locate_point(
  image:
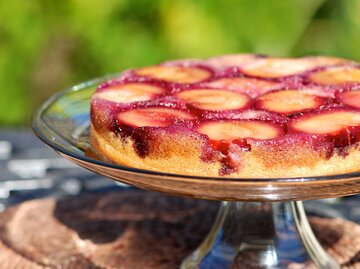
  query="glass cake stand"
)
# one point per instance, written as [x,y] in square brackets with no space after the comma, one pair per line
[261,222]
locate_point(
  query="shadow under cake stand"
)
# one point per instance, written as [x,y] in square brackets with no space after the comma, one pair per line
[261,222]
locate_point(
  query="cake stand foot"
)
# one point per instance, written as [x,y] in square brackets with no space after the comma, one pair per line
[260,235]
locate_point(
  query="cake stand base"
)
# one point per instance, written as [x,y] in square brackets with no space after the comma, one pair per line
[260,235]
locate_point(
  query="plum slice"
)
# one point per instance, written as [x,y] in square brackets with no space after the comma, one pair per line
[152,117]
[250,86]
[273,67]
[350,98]
[214,100]
[320,91]
[231,60]
[230,130]
[289,101]
[330,122]
[175,74]
[336,75]
[129,92]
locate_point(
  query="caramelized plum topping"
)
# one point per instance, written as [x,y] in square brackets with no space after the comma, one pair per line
[214,100]
[231,60]
[350,98]
[230,130]
[336,76]
[129,92]
[152,117]
[175,74]
[289,101]
[250,86]
[330,122]
[282,67]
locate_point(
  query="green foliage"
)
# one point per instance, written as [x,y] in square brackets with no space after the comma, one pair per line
[48,45]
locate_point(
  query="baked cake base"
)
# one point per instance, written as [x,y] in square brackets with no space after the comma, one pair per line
[175,153]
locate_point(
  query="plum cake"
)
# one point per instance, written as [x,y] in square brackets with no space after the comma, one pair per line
[245,115]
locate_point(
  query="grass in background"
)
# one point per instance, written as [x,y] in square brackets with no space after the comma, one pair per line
[48,45]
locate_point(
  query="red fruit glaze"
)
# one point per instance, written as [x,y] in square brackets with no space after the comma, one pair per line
[230,138]
[249,114]
[318,91]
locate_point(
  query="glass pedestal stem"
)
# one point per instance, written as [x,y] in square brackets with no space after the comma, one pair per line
[260,235]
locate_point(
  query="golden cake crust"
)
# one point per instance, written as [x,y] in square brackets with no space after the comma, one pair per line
[184,157]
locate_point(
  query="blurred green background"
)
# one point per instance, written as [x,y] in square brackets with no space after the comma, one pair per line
[47,45]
